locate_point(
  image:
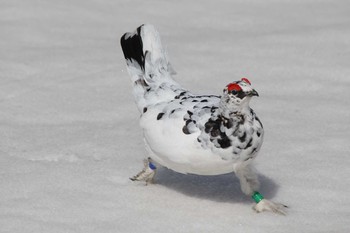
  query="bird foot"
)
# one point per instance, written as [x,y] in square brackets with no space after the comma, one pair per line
[266,205]
[147,174]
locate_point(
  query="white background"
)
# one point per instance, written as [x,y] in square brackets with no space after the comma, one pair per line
[69,134]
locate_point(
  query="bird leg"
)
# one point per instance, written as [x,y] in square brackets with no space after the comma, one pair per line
[250,185]
[147,174]
[266,205]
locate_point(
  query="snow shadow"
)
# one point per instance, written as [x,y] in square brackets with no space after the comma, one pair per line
[220,188]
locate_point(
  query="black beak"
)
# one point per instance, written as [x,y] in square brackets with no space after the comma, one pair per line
[253,93]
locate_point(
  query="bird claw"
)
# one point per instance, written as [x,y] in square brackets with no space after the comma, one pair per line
[266,205]
[147,174]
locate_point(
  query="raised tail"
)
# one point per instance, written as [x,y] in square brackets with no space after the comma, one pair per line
[132,46]
[148,67]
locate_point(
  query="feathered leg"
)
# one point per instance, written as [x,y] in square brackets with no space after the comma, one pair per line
[147,174]
[250,186]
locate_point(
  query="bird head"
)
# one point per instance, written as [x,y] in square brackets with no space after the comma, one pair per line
[237,95]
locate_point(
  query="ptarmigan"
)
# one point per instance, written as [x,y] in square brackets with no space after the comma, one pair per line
[198,134]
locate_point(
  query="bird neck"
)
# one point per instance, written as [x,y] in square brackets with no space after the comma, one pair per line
[230,110]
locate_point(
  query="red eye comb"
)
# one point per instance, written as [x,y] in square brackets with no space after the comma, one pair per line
[246,80]
[233,87]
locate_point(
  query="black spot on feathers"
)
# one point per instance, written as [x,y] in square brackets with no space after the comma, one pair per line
[249,143]
[185,130]
[144,109]
[188,121]
[180,95]
[212,127]
[243,137]
[160,115]
[213,109]
[133,47]
[255,149]
[224,142]
[215,132]
[142,83]
[210,124]
[228,123]
[256,118]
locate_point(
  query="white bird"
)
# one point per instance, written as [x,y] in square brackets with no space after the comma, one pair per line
[197,134]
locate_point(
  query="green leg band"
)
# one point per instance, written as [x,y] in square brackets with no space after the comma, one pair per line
[257,197]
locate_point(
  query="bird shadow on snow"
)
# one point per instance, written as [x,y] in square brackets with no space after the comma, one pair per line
[220,188]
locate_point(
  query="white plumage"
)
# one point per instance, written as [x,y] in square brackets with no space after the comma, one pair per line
[199,134]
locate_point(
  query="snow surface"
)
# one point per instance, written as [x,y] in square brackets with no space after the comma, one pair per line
[69,128]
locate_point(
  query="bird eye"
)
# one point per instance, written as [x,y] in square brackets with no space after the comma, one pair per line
[233,92]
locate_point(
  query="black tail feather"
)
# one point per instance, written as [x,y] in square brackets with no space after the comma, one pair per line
[133,47]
